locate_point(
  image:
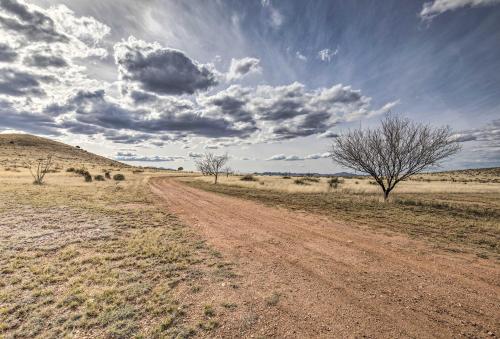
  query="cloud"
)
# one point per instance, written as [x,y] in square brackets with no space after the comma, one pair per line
[7,53]
[30,22]
[161,70]
[168,114]
[211,146]
[12,118]
[328,134]
[436,7]
[327,54]
[318,156]
[300,56]
[489,135]
[20,83]
[276,19]
[229,103]
[44,61]
[129,156]
[285,158]
[195,155]
[240,68]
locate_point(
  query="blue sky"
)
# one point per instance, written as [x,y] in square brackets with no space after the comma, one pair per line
[268,82]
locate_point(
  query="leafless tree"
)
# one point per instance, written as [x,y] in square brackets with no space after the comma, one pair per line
[393,152]
[211,164]
[228,170]
[39,168]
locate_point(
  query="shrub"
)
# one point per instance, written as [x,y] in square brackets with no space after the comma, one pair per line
[312,179]
[71,169]
[300,181]
[286,177]
[180,168]
[88,177]
[118,177]
[248,177]
[98,177]
[107,175]
[137,171]
[334,182]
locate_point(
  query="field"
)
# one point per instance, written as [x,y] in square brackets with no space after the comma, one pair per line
[99,259]
[168,254]
[457,215]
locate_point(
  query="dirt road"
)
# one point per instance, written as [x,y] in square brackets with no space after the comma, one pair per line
[305,276]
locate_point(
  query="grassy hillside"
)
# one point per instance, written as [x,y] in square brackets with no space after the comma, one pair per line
[100,259]
[16,149]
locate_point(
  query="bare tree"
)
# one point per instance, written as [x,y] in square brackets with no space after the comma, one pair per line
[396,150]
[211,164]
[228,170]
[39,168]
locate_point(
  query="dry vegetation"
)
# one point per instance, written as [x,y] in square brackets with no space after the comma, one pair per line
[458,215]
[100,259]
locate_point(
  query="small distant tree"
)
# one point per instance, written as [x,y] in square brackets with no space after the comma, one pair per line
[393,152]
[39,168]
[211,164]
[180,168]
[228,170]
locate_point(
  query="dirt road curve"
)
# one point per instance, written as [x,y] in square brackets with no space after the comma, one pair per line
[305,276]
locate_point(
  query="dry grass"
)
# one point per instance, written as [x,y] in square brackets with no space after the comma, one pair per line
[356,185]
[100,259]
[445,213]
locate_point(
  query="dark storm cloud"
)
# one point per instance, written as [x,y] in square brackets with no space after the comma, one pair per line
[161,70]
[20,83]
[44,61]
[79,128]
[7,53]
[130,139]
[141,97]
[33,24]
[178,117]
[10,118]
[230,103]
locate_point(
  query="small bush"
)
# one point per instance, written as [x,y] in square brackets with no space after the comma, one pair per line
[98,177]
[286,177]
[71,169]
[118,177]
[107,175]
[300,182]
[334,182]
[248,177]
[137,171]
[311,179]
[88,177]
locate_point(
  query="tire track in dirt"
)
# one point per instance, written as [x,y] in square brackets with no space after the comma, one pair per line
[336,280]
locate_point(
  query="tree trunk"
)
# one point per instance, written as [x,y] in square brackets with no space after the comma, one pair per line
[215,179]
[386,195]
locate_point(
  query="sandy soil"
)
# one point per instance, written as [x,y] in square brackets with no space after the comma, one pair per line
[305,276]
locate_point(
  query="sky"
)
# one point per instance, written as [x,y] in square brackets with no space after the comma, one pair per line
[269,82]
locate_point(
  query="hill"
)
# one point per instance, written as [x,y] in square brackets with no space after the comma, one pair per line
[16,149]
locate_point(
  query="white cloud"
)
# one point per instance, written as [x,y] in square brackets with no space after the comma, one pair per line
[300,56]
[240,68]
[318,156]
[276,19]
[436,7]
[327,54]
